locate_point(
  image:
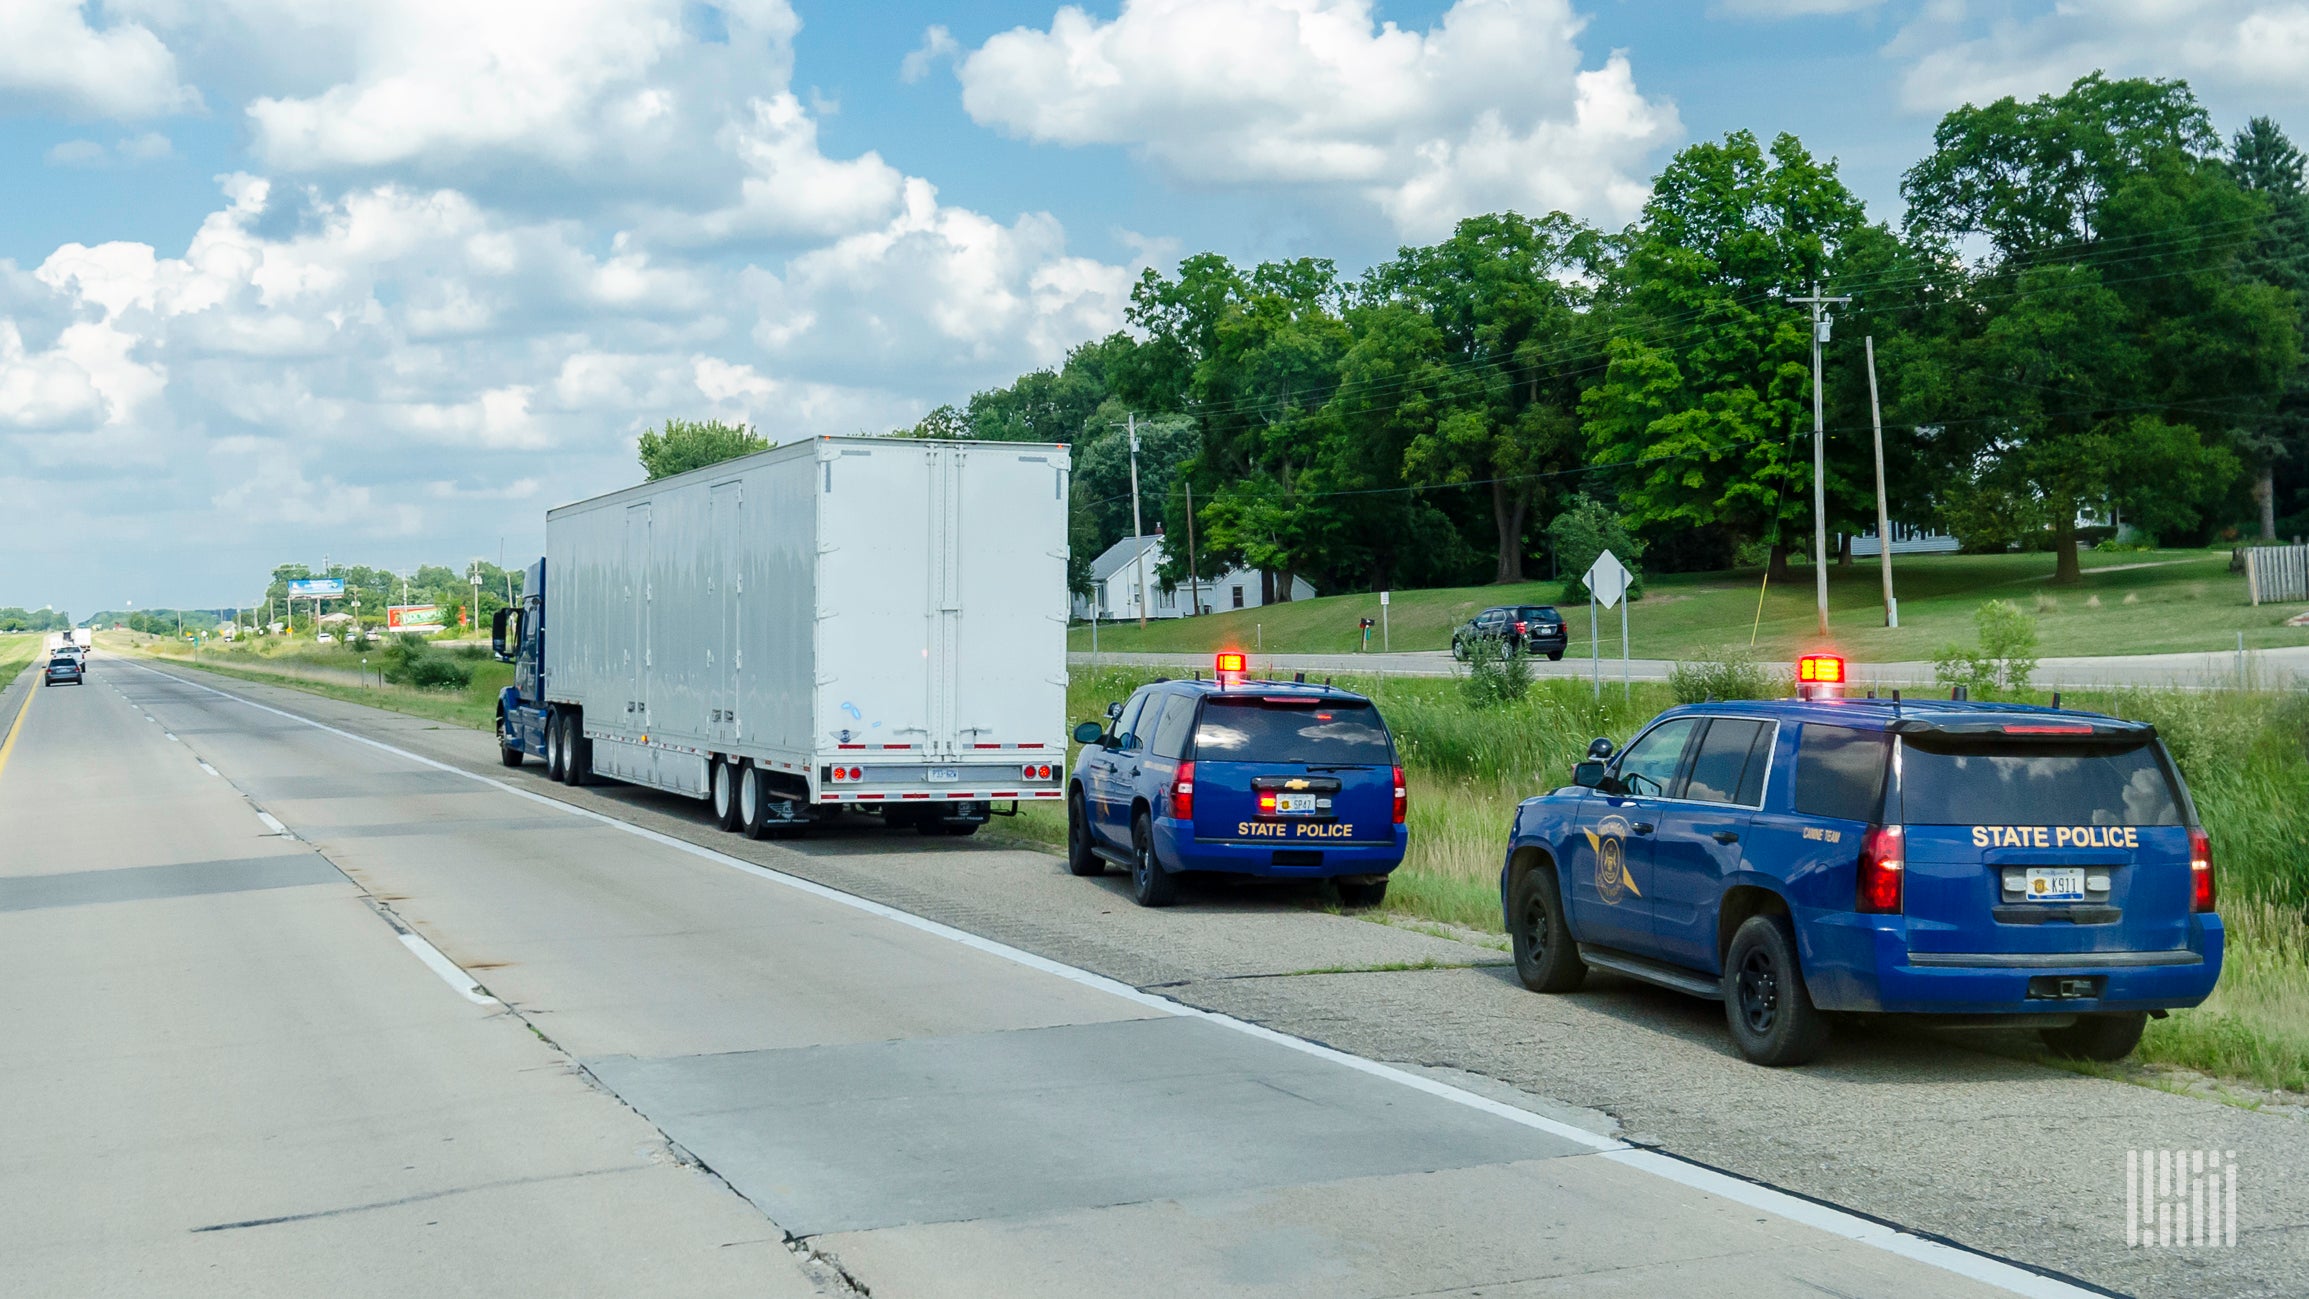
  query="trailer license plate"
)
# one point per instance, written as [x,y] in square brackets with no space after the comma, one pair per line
[2054,884]
[1295,804]
[947,775]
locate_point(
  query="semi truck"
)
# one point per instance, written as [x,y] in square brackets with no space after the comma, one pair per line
[862,623]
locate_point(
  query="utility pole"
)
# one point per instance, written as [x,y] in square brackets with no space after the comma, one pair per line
[1883,511]
[1194,583]
[1820,325]
[1137,529]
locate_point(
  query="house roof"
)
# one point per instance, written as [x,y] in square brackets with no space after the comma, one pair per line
[1122,554]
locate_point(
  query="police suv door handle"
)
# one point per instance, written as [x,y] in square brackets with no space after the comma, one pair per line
[1642,827]
[1726,836]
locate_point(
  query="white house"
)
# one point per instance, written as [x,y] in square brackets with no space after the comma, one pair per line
[1907,539]
[1114,579]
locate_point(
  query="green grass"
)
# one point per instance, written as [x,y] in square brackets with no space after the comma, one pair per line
[2181,600]
[17,651]
[334,672]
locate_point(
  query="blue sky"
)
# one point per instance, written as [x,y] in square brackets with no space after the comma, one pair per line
[387,278]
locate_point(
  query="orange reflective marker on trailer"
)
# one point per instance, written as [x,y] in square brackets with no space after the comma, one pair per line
[1820,676]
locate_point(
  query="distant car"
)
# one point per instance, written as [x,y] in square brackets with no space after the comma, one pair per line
[1989,864]
[1518,628]
[325,638]
[1281,780]
[64,667]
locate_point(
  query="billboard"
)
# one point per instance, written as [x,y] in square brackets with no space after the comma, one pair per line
[413,617]
[317,588]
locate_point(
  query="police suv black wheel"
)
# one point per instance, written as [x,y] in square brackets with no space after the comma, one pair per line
[1771,1013]
[1149,882]
[1459,649]
[2097,1037]
[1546,958]
[1362,892]
[725,795]
[1555,656]
[508,749]
[1080,858]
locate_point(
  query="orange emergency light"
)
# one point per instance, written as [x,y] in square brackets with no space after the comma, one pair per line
[1820,676]
[1232,664]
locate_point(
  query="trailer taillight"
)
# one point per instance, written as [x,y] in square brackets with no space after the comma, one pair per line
[1036,771]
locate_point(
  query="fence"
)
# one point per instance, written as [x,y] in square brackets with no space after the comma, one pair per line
[2275,573]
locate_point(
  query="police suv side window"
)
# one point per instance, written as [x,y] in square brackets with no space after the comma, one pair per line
[1128,720]
[1649,765]
[1149,719]
[1840,772]
[1170,738]
[1721,767]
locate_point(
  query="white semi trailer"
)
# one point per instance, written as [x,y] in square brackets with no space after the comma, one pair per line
[847,622]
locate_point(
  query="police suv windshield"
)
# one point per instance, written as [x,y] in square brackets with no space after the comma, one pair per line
[1952,780]
[1317,731]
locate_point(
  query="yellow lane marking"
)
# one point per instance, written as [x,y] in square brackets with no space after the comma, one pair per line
[16,732]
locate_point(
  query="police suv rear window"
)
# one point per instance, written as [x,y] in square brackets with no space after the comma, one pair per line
[1840,772]
[1973,780]
[1246,728]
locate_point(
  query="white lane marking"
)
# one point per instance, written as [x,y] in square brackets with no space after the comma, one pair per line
[209,769]
[273,823]
[1954,1259]
[449,970]
[170,736]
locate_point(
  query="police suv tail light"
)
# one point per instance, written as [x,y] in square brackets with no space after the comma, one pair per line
[2201,891]
[1402,802]
[1883,862]
[1183,792]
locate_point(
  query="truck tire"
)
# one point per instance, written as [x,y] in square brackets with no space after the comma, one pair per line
[1081,858]
[508,748]
[1773,1019]
[725,794]
[555,755]
[2097,1037]
[1546,957]
[1150,884]
[575,752]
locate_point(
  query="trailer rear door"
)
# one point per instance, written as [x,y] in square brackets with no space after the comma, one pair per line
[1006,630]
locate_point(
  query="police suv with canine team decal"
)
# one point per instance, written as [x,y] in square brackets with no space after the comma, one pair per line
[1970,862]
[1282,780]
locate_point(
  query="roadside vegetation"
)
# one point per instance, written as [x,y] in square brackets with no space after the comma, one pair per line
[446,682]
[17,652]
[2128,602]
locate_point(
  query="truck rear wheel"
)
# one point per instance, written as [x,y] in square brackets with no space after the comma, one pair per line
[725,795]
[573,750]
[555,755]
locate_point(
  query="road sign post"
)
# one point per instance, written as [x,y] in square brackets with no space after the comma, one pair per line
[1607,581]
[1386,646]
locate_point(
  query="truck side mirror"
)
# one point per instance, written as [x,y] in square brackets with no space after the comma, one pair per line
[498,637]
[1089,733]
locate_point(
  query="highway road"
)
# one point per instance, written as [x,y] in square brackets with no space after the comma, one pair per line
[309,998]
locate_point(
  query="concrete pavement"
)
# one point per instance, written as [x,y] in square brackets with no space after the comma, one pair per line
[938,1113]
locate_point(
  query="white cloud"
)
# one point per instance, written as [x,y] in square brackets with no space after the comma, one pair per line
[50,53]
[151,146]
[2250,48]
[937,44]
[1488,108]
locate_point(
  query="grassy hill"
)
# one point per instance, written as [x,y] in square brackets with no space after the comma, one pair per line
[2129,603]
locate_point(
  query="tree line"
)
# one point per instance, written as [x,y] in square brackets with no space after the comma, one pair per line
[2092,309]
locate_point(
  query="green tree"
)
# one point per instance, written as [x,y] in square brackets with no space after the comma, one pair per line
[680,445]
[2266,164]
[1708,372]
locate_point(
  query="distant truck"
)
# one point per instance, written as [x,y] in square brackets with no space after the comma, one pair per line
[848,622]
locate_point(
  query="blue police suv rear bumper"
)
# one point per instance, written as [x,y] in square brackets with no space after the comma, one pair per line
[1863,963]
[1176,844]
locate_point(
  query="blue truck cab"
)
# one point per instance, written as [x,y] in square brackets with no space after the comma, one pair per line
[1281,780]
[1971,862]
[517,636]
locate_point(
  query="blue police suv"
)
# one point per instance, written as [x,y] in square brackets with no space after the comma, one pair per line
[1283,780]
[1969,862]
